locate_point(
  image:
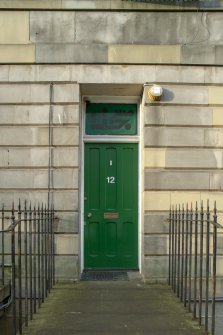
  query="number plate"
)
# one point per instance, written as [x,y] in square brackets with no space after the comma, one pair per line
[111,215]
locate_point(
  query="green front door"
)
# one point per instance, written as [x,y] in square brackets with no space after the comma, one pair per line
[111,206]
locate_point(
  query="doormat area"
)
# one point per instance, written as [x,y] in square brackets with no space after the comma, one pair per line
[104,276]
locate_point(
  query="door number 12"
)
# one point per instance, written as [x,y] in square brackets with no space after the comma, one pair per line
[111,180]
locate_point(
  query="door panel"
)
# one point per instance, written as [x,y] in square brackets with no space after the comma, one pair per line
[111,206]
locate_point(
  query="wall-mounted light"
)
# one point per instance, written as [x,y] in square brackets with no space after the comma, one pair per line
[155,92]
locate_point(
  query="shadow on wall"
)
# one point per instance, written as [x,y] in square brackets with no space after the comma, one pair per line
[167,95]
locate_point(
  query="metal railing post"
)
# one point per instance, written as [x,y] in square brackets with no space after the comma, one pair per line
[42,255]
[186,258]
[170,251]
[214,268]
[201,263]
[14,330]
[190,256]
[195,262]
[26,264]
[30,264]
[207,267]
[3,245]
[178,252]
[34,259]
[38,256]
[20,268]
[53,231]
[182,256]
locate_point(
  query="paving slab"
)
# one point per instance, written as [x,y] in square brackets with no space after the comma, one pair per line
[127,307]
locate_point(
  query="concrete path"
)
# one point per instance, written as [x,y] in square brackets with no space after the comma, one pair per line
[115,308]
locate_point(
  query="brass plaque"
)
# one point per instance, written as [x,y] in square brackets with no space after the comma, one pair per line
[111,215]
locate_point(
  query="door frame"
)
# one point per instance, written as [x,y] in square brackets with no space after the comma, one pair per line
[110,139]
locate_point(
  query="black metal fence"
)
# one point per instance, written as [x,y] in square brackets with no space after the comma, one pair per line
[193,237]
[28,246]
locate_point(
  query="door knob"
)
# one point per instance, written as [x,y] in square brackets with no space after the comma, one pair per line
[89,215]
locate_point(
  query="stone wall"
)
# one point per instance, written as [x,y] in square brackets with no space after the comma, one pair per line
[50,56]
[111,4]
[183,162]
[111,37]
[25,147]
[182,141]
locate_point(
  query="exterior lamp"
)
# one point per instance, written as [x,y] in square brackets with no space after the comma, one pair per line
[155,92]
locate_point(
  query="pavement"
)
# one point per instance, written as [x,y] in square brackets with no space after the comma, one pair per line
[112,308]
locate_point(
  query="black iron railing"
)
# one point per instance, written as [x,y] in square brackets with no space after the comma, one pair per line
[28,242]
[193,260]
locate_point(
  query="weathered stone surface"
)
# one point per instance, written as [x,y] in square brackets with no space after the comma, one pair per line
[196,158]
[112,74]
[215,95]
[174,115]
[27,4]
[194,54]
[213,196]
[156,267]
[7,197]
[52,27]
[177,180]
[4,73]
[38,157]
[66,156]
[181,94]
[66,136]
[174,137]
[216,180]
[67,222]
[218,116]
[24,136]
[156,244]
[17,53]
[185,197]
[133,28]
[66,93]
[157,201]
[25,114]
[67,267]
[67,244]
[66,114]
[156,223]
[38,114]
[71,53]
[106,4]
[214,32]
[14,27]
[144,54]
[154,157]
[66,200]
[13,179]
[214,75]
[26,157]
[86,4]
[24,93]
[65,178]
[213,137]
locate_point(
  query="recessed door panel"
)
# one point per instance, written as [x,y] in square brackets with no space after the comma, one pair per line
[111,206]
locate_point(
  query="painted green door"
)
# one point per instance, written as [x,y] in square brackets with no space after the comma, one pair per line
[111,206]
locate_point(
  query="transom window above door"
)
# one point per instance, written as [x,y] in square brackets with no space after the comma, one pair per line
[111,119]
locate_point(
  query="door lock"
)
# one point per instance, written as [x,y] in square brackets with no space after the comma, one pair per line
[89,215]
